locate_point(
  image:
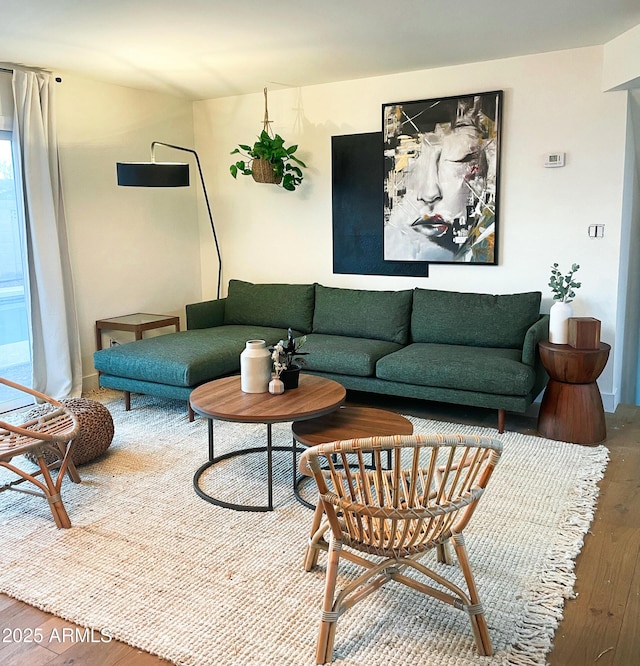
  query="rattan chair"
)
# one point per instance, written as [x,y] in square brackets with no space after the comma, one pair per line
[50,433]
[424,501]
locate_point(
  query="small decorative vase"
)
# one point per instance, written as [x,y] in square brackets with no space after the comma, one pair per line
[290,377]
[559,315]
[276,387]
[255,367]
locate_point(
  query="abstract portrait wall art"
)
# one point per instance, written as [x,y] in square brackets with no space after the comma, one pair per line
[441,178]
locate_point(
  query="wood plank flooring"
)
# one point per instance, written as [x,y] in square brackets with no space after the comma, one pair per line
[601,625]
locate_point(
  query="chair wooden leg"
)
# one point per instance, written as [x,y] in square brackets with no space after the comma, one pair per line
[72,472]
[501,418]
[192,414]
[327,631]
[443,553]
[127,401]
[312,552]
[478,620]
[52,494]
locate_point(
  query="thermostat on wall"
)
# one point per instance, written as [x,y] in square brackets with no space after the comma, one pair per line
[554,160]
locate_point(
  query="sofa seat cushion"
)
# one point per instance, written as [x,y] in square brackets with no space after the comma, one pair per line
[361,313]
[481,320]
[345,355]
[482,369]
[186,358]
[275,305]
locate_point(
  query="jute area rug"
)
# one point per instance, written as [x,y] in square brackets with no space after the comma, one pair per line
[152,564]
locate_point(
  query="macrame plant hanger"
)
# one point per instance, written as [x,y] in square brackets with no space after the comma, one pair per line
[266,123]
[262,170]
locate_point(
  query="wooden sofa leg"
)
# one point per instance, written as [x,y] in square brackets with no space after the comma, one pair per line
[127,401]
[192,414]
[501,417]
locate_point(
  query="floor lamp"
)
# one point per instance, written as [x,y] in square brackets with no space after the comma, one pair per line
[166,174]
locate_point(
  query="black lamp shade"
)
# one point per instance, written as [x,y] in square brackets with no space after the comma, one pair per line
[153,174]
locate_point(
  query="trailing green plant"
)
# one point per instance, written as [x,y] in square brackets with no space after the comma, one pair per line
[563,286]
[285,164]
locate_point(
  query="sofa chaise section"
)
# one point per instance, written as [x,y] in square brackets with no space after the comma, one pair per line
[172,365]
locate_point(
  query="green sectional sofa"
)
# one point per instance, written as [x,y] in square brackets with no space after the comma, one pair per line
[464,348]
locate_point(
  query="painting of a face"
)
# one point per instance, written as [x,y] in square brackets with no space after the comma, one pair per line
[440,183]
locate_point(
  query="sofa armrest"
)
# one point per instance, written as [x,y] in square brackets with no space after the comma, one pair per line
[536,333]
[206,314]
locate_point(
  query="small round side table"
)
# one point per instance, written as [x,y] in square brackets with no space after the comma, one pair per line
[348,422]
[571,409]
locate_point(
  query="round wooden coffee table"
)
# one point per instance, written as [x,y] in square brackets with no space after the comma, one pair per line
[348,422]
[222,400]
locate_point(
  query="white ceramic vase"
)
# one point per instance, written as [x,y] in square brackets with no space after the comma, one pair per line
[559,322]
[255,367]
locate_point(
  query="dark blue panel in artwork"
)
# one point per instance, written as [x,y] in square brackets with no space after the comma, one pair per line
[357,176]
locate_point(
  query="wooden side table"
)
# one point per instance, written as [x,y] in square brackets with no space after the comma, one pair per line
[135,323]
[571,409]
[345,423]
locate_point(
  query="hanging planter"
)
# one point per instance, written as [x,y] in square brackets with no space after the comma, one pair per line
[263,172]
[269,160]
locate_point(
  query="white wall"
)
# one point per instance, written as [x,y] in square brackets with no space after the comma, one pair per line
[621,61]
[132,250]
[552,102]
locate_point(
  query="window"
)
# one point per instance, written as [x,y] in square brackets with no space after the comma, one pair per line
[15,347]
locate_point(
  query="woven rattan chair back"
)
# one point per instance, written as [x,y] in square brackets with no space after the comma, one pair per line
[50,433]
[423,501]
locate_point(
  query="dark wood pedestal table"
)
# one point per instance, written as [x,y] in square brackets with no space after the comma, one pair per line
[348,422]
[223,400]
[571,409]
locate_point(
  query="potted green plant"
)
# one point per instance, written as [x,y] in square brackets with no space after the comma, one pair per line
[286,357]
[563,288]
[269,161]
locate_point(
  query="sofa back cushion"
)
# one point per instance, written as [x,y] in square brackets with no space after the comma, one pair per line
[360,313]
[279,305]
[480,320]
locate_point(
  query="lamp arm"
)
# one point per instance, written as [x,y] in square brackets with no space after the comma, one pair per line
[206,198]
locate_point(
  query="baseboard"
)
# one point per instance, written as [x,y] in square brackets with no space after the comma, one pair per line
[90,383]
[610,402]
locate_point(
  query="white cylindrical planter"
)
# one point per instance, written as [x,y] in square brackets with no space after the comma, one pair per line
[255,367]
[559,315]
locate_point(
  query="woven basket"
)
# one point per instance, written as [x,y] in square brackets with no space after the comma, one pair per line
[262,172]
[96,429]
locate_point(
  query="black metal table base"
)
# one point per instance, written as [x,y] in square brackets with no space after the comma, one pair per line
[234,454]
[268,449]
[298,479]
[214,460]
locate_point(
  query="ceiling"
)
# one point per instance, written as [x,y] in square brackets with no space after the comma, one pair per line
[201,49]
